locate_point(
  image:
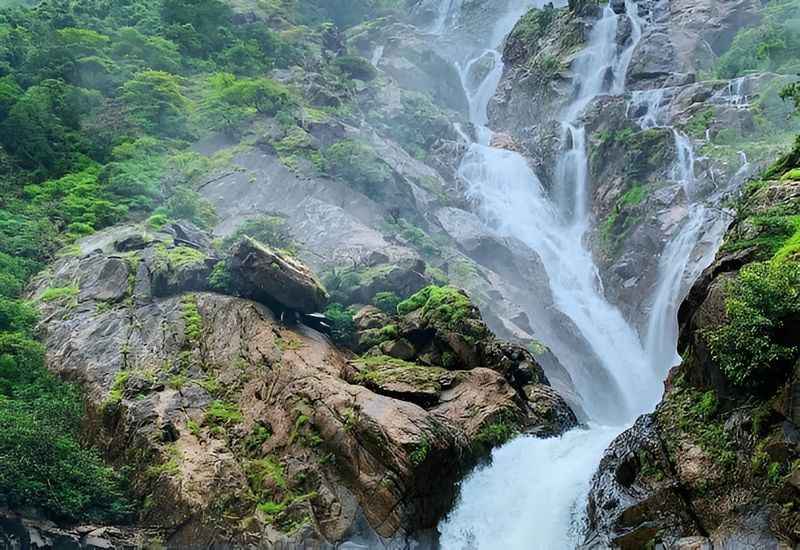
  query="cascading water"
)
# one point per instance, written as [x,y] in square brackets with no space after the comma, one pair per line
[547,479]
[533,494]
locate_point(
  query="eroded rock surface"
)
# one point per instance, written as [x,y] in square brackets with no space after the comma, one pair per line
[242,429]
[715,466]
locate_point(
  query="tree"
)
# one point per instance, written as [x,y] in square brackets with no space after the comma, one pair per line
[156,102]
[262,94]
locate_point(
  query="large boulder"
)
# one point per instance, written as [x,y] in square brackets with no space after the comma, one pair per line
[264,274]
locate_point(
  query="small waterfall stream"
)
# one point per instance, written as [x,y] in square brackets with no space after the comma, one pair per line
[533,494]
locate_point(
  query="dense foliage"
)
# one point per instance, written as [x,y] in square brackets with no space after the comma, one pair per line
[42,463]
[99,101]
[773,45]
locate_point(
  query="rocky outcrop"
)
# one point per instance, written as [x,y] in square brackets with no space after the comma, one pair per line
[439,337]
[716,464]
[262,274]
[243,429]
[18,531]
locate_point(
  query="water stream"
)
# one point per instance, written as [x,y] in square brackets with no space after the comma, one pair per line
[532,496]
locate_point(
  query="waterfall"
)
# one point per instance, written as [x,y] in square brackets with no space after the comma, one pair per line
[533,495]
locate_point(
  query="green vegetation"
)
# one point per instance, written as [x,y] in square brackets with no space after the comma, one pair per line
[773,45]
[622,218]
[386,302]
[43,464]
[533,27]
[376,336]
[59,293]
[378,371]
[117,389]
[192,320]
[358,165]
[221,414]
[445,306]
[343,329]
[271,230]
[495,433]
[421,452]
[697,415]
[761,302]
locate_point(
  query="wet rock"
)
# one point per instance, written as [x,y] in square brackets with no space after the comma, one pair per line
[370,317]
[104,279]
[198,388]
[504,141]
[264,274]
[19,531]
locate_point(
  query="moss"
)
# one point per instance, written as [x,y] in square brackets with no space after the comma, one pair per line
[533,27]
[58,294]
[421,452]
[697,125]
[170,466]
[182,256]
[383,370]
[536,348]
[648,467]
[221,279]
[157,221]
[417,237]
[696,414]
[495,433]
[774,231]
[622,219]
[223,414]
[117,389]
[192,320]
[298,144]
[373,337]
[634,196]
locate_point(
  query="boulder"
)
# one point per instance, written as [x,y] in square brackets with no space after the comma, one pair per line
[263,274]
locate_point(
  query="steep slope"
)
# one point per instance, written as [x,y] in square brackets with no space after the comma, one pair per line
[717,463]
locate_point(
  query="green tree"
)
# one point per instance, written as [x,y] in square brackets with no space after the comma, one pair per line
[156,102]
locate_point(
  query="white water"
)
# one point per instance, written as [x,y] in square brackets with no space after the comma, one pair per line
[548,479]
[532,496]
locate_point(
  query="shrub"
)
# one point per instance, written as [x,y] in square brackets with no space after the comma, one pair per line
[356,67]
[343,329]
[187,204]
[386,302]
[357,164]
[270,230]
[760,301]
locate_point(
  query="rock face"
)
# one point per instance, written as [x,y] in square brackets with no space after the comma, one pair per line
[715,466]
[260,273]
[638,199]
[243,429]
[17,531]
[438,337]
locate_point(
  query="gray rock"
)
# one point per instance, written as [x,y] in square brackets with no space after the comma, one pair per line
[263,274]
